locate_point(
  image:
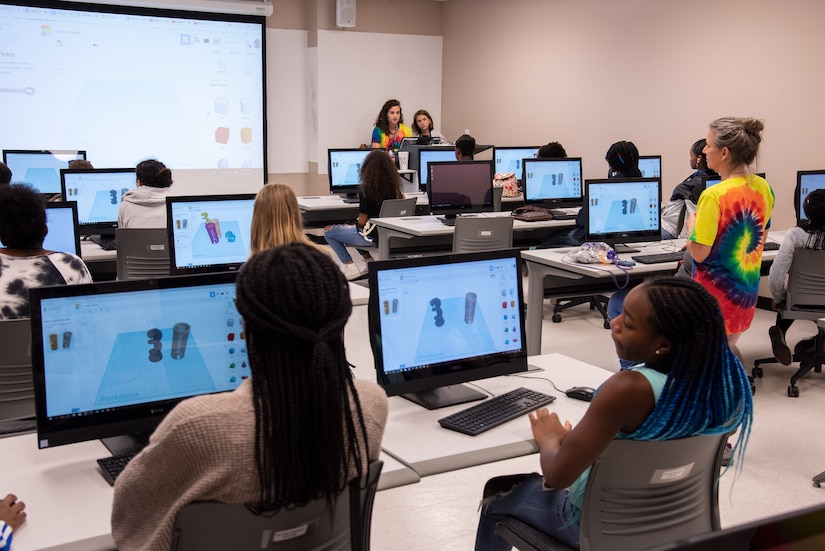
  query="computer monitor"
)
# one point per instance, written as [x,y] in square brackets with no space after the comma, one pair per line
[439,321]
[97,192]
[553,182]
[460,188]
[510,159]
[427,155]
[650,166]
[61,219]
[623,210]
[209,233]
[806,182]
[111,359]
[344,168]
[40,169]
[711,181]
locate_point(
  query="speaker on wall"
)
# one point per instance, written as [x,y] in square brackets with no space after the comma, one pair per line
[345,13]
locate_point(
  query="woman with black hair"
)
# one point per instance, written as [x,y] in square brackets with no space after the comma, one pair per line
[301,428]
[390,129]
[673,213]
[623,160]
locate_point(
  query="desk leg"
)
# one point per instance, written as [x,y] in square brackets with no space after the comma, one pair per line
[535,307]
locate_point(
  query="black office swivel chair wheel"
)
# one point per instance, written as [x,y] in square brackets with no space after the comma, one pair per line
[757,372]
[793,391]
[556,318]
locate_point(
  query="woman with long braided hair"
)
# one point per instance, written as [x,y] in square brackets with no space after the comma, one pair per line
[688,382]
[301,428]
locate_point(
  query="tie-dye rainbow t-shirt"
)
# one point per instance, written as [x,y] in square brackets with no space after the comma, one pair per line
[389,141]
[732,218]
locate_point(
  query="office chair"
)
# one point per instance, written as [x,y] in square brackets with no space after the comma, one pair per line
[806,301]
[596,302]
[16,384]
[498,192]
[482,234]
[142,253]
[209,525]
[393,208]
[640,494]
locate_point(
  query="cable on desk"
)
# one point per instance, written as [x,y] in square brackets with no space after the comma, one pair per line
[482,389]
[626,269]
[557,389]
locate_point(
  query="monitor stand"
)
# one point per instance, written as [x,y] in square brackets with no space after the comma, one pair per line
[448,220]
[444,396]
[350,198]
[621,248]
[126,444]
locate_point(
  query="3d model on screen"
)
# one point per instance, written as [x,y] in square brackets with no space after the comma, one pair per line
[439,314]
[155,336]
[67,339]
[469,307]
[213,227]
[180,335]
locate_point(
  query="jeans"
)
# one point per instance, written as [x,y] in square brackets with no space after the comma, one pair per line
[547,510]
[340,235]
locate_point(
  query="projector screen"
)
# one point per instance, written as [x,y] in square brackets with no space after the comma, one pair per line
[126,84]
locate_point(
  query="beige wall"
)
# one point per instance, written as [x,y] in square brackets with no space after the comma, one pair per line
[592,72]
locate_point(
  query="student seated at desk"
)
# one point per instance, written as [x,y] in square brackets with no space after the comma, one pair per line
[465,148]
[276,219]
[23,262]
[809,234]
[300,428]
[145,206]
[686,194]
[423,127]
[689,382]
[12,516]
[379,181]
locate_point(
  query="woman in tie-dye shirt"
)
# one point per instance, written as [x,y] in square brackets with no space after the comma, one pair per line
[731,223]
[390,129]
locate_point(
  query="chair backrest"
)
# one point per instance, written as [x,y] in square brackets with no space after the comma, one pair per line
[481,233]
[142,253]
[208,525]
[497,194]
[806,285]
[642,493]
[16,384]
[392,208]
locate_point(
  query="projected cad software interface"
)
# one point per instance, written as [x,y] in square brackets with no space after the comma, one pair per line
[111,350]
[553,180]
[623,207]
[434,314]
[98,194]
[207,233]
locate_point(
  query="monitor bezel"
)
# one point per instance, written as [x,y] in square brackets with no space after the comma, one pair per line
[423,175]
[71,205]
[445,373]
[453,210]
[170,233]
[615,238]
[52,152]
[497,148]
[553,202]
[124,420]
[348,190]
[658,158]
[94,228]
[797,193]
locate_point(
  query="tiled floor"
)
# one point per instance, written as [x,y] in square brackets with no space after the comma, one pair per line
[786,447]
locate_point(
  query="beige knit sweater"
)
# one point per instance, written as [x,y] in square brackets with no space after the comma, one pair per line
[204,451]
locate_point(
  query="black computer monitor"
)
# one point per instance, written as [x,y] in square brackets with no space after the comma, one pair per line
[209,233]
[40,168]
[111,359]
[711,181]
[344,169]
[650,166]
[510,159]
[427,155]
[623,210]
[460,188]
[553,182]
[61,219]
[439,321]
[806,182]
[97,192]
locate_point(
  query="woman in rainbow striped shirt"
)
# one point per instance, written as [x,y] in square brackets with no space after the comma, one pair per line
[390,129]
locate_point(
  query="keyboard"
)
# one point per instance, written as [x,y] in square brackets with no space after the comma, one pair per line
[495,411]
[105,244]
[112,466]
[561,215]
[658,258]
[771,246]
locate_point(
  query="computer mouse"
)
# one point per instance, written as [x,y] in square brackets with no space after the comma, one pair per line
[580,393]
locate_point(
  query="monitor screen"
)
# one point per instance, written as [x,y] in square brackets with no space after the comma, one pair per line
[97,192]
[433,155]
[711,181]
[344,170]
[510,159]
[61,219]
[650,166]
[623,210]
[40,169]
[443,320]
[553,182]
[806,182]
[209,233]
[460,187]
[111,359]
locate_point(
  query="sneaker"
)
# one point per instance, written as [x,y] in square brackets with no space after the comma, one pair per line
[780,348]
[727,455]
[351,271]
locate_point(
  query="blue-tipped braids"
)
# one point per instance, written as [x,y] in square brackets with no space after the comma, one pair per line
[707,390]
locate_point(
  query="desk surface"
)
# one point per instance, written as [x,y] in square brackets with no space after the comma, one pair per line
[414,436]
[91,252]
[312,203]
[423,226]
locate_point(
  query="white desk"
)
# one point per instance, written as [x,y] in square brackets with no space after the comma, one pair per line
[414,436]
[320,210]
[68,502]
[358,294]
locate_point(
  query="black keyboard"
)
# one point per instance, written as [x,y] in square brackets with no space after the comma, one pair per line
[659,258]
[560,215]
[495,411]
[105,244]
[112,466]
[771,246]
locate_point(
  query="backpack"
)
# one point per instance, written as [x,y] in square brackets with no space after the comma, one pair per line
[508,181]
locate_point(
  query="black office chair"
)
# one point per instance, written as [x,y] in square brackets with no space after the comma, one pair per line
[213,526]
[477,234]
[805,300]
[596,302]
[640,494]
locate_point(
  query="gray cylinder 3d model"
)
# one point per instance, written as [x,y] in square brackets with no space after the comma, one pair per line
[180,334]
[469,308]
